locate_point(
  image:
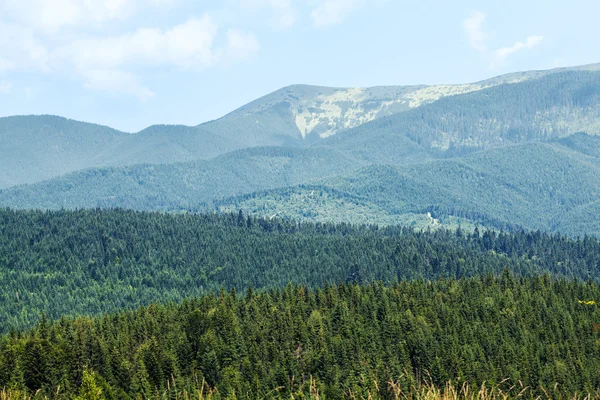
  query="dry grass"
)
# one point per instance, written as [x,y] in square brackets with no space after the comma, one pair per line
[310,391]
[454,391]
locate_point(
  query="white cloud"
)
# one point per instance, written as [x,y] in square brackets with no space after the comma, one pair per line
[477,37]
[117,82]
[332,12]
[20,47]
[105,63]
[287,20]
[51,16]
[5,87]
[191,44]
[32,36]
[501,54]
[240,45]
[473,27]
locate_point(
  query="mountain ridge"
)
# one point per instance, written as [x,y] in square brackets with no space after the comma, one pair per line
[297,115]
[492,156]
[531,185]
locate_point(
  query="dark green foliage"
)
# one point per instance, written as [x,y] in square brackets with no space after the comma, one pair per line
[36,366]
[348,337]
[97,261]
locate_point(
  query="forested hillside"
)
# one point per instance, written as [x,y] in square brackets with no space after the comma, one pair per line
[320,203]
[523,154]
[550,186]
[527,337]
[529,185]
[550,107]
[393,124]
[96,261]
[547,186]
[41,147]
[182,186]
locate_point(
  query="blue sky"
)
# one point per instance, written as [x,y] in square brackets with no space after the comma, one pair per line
[133,63]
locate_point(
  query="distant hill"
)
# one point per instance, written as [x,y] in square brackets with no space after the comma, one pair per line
[178,186]
[321,203]
[546,186]
[165,144]
[33,148]
[36,148]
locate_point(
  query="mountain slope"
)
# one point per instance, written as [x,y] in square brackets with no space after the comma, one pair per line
[553,106]
[583,143]
[36,148]
[546,186]
[33,148]
[322,204]
[181,185]
[323,111]
[165,144]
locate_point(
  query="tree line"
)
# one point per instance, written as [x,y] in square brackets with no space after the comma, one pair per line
[90,262]
[339,340]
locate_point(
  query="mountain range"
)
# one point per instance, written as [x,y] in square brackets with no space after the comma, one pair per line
[519,150]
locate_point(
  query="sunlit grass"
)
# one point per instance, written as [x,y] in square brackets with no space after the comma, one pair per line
[310,391]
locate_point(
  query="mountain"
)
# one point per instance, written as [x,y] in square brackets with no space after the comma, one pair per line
[40,147]
[165,144]
[547,186]
[181,185]
[519,150]
[37,148]
[550,107]
[324,111]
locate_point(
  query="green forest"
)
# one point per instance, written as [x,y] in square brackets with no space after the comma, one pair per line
[97,261]
[340,341]
[120,304]
[435,243]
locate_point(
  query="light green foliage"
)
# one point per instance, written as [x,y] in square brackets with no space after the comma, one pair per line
[89,389]
[324,204]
